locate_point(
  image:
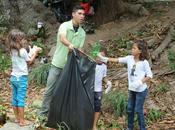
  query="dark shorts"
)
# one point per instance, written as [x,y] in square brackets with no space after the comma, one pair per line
[97,101]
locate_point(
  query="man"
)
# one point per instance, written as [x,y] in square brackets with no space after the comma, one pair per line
[70,35]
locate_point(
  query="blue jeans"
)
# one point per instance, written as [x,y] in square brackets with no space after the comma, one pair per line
[135,104]
[19,88]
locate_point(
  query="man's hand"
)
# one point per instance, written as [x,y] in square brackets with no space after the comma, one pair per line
[70,47]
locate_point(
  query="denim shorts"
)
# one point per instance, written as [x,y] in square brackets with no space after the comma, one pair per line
[97,101]
[19,88]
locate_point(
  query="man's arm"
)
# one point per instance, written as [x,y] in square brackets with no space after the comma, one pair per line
[65,41]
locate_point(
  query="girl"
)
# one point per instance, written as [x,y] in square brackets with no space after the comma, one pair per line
[139,72]
[19,79]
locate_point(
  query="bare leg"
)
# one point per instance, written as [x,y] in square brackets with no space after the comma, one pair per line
[96,117]
[22,122]
[15,110]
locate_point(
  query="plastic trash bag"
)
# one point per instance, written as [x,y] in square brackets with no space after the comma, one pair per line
[72,105]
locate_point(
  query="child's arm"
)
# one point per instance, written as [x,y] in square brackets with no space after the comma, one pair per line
[146,79]
[113,60]
[107,59]
[34,55]
[149,73]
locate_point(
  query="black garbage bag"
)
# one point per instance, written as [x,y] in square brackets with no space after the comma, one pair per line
[72,105]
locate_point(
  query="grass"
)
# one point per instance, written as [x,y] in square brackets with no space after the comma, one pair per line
[171,59]
[113,125]
[161,88]
[118,100]
[154,115]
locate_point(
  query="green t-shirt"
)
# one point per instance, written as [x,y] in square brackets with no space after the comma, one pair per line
[76,38]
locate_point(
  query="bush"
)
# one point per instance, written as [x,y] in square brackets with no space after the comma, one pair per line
[118,100]
[39,74]
[5,62]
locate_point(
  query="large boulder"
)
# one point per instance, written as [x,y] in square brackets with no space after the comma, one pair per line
[25,13]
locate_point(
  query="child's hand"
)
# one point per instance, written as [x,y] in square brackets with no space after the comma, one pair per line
[34,50]
[38,50]
[109,86]
[102,58]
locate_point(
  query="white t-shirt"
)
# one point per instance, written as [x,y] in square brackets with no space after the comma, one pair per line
[141,70]
[19,64]
[100,73]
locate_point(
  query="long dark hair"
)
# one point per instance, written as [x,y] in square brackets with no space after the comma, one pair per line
[14,40]
[143,47]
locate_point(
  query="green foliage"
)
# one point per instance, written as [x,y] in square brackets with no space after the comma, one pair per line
[162,88]
[118,100]
[171,58]
[154,115]
[39,74]
[101,124]
[122,43]
[116,125]
[5,61]
[113,124]
[3,109]
[95,49]
[4,19]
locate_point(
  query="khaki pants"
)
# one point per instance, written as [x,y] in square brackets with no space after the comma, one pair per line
[53,76]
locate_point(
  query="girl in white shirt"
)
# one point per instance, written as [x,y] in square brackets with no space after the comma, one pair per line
[139,72]
[19,74]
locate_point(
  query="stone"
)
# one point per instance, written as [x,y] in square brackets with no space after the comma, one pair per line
[52,51]
[14,126]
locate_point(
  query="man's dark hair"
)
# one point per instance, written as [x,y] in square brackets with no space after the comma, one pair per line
[77,7]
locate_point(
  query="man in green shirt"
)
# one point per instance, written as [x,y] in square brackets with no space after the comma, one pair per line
[70,35]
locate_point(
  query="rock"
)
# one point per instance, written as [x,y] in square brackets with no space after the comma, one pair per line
[26,13]
[52,51]
[14,126]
